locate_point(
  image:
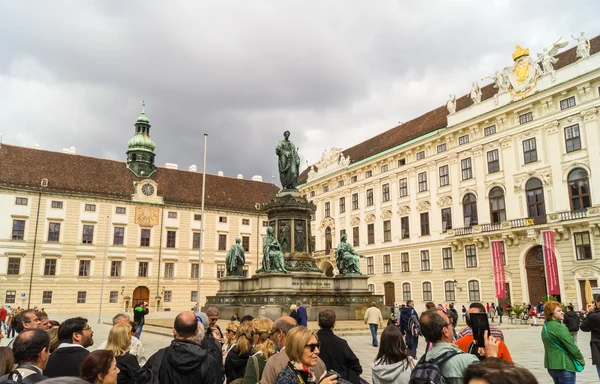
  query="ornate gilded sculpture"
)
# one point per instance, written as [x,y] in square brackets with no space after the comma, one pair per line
[347,259]
[235,259]
[272,255]
[289,162]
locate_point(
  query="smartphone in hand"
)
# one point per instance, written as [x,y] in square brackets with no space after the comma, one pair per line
[479,324]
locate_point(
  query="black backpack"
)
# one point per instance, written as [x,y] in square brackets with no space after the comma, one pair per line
[148,374]
[430,371]
[572,323]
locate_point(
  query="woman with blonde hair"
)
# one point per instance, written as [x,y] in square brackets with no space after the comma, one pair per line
[119,343]
[263,349]
[562,357]
[230,333]
[237,358]
[54,342]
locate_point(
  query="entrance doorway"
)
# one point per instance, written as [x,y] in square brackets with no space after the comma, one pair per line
[140,294]
[536,274]
[593,284]
[390,294]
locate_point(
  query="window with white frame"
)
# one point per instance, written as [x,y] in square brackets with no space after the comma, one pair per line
[463,139]
[403,187]
[425,262]
[368,174]
[567,103]
[487,131]
[474,290]
[444,175]
[370,265]
[220,270]
[113,297]
[84,267]
[427,293]
[194,271]
[387,230]
[422,177]
[387,263]
[405,261]
[466,168]
[447,262]
[420,155]
[449,291]
[441,148]
[169,270]
[525,118]
[406,294]
[385,192]
[81,297]
[471,256]
[384,168]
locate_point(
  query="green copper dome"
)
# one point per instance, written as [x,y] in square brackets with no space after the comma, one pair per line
[140,148]
[141,141]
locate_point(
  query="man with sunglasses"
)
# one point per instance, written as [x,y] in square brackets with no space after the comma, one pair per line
[75,335]
[213,317]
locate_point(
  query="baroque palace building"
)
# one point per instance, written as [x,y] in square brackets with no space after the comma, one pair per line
[423,200]
[66,218]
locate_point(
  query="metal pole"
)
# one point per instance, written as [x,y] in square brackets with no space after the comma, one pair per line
[103,269]
[37,220]
[201,227]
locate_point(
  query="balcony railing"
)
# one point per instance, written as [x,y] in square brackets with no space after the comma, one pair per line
[573,215]
[490,227]
[463,231]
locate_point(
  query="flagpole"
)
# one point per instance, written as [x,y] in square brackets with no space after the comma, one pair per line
[200,256]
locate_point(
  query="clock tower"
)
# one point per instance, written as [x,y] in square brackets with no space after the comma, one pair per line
[140,149]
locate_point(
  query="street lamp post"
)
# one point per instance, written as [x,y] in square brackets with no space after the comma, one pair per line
[44,184]
[201,227]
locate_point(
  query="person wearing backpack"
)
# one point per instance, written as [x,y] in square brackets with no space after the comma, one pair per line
[445,363]
[409,324]
[592,324]
[572,322]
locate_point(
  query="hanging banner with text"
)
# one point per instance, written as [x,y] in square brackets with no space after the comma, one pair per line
[550,263]
[498,265]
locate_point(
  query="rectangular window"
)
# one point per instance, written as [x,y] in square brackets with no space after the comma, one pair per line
[401,162]
[487,131]
[172,215]
[384,168]
[56,205]
[169,270]
[404,228]
[387,264]
[222,219]
[115,268]
[427,294]
[14,266]
[355,236]
[88,234]
[493,162]
[463,139]
[194,296]
[18,229]
[246,243]
[403,187]
[245,221]
[342,204]
[353,179]
[143,269]
[471,255]
[474,290]
[583,249]
[21,201]
[121,210]
[265,223]
[424,223]
[326,188]
[47,297]
[406,294]
[444,175]
[90,207]
[84,267]
[222,242]
[572,138]
[145,238]
[467,171]
[312,193]
[171,239]
[449,291]
[50,267]
[370,233]
[119,235]
[327,209]
[53,232]
[194,271]
[370,265]
[385,192]
[355,201]
[425,263]
[529,150]
[369,197]
[113,297]
[422,181]
[441,148]
[340,183]
[167,296]
[525,118]
[10,297]
[368,174]
[220,271]
[420,155]
[81,297]
[447,262]
[567,103]
[405,260]
[197,217]
[446,219]
[387,230]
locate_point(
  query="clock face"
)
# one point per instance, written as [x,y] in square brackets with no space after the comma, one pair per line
[148,189]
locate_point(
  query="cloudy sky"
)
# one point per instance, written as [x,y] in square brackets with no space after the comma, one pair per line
[72,73]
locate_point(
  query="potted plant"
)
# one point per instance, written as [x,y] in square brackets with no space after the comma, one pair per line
[518,311]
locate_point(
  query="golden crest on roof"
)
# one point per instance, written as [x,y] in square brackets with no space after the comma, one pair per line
[519,51]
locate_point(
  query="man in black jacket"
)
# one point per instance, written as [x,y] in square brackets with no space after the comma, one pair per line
[335,351]
[592,324]
[184,361]
[408,312]
[75,335]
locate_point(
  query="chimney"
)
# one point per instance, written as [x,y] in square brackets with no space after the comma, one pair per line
[240,176]
[72,150]
[193,168]
[257,178]
[36,146]
[171,165]
[66,150]
[220,173]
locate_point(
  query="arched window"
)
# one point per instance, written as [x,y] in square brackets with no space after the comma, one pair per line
[406,294]
[470,209]
[579,189]
[497,206]
[449,291]
[427,294]
[371,288]
[535,200]
[474,290]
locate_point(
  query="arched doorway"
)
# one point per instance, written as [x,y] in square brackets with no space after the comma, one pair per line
[390,294]
[328,269]
[140,294]
[536,276]
[328,241]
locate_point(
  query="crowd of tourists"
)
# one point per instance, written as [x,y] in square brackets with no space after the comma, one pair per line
[258,350]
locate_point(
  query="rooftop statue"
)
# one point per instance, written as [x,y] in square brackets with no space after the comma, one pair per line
[235,259]
[272,255]
[547,59]
[289,162]
[583,46]
[451,103]
[500,79]
[475,93]
[346,258]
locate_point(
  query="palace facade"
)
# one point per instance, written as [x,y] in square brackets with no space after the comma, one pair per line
[423,200]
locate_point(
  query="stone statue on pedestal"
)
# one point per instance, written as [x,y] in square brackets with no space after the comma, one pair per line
[273,260]
[583,46]
[451,103]
[289,162]
[235,259]
[347,259]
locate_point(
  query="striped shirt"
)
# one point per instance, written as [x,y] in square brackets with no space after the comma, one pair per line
[496,332]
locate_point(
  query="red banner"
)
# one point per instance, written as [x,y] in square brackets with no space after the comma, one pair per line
[498,265]
[550,263]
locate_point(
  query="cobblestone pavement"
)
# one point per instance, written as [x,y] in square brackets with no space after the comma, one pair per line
[524,344]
